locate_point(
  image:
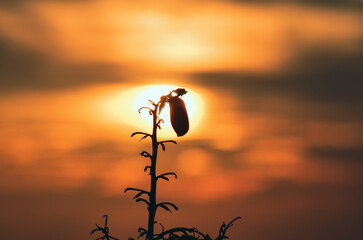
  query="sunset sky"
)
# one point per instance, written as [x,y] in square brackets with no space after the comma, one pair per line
[274,99]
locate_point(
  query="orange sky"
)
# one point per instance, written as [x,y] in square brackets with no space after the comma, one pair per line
[275,131]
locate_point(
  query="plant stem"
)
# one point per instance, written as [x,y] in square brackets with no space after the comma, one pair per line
[153,179]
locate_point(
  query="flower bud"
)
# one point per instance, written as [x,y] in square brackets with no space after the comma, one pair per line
[178,116]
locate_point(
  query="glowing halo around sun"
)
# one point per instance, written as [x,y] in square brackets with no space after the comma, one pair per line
[125,108]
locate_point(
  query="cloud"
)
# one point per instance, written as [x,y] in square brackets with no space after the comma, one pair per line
[322,84]
[318,3]
[217,36]
[23,68]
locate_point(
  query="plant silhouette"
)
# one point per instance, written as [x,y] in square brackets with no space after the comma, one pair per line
[180,123]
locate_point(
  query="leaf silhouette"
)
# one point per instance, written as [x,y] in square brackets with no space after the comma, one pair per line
[140,192]
[164,205]
[146,168]
[143,200]
[145,154]
[166,174]
[142,133]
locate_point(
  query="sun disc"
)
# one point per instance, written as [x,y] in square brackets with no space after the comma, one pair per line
[123,108]
[154,92]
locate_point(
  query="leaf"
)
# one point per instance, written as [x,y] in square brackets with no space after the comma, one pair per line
[135,133]
[144,108]
[136,189]
[138,195]
[164,205]
[165,178]
[152,103]
[165,174]
[147,167]
[168,141]
[163,100]
[97,229]
[141,229]
[117,238]
[162,227]
[143,137]
[162,146]
[143,200]
[145,154]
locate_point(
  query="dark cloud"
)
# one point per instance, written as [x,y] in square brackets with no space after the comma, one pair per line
[317,76]
[22,68]
[326,3]
[71,215]
[335,154]
[14,3]
[322,81]
[296,211]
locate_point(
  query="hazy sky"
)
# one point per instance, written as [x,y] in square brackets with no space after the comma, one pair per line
[276,130]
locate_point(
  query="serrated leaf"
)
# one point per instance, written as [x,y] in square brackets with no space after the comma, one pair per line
[163,100]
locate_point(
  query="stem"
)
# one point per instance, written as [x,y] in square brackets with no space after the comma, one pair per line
[153,179]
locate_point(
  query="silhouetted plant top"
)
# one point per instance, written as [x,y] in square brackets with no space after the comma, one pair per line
[180,122]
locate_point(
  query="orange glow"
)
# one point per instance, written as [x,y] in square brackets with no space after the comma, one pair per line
[275,152]
[338,135]
[195,162]
[218,36]
[273,103]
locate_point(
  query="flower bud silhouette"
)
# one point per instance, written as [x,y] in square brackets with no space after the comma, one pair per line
[178,116]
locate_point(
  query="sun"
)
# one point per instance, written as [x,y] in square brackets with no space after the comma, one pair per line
[123,108]
[154,92]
